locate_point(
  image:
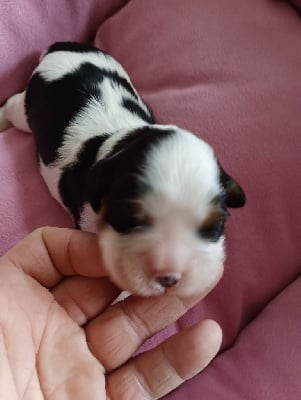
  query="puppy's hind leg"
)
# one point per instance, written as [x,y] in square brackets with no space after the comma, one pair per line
[12,113]
[4,122]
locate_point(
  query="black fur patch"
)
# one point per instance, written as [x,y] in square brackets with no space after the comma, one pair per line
[234,194]
[115,179]
[135,108]
[124,217]
[73,182]
[141,139]
[119,80]
[50,107]
[74,47]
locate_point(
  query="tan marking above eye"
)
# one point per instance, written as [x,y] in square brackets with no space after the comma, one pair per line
[214,217]
[100,219]
[130,214]
[139,213]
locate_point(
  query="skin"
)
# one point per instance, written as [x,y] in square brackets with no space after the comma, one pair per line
[59,340]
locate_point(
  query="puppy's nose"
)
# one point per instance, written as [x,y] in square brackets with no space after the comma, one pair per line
[168,280]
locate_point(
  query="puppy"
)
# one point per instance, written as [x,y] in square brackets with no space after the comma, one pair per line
[155,194]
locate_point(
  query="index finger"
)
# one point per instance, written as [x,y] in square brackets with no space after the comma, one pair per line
[48,254]
[115,335]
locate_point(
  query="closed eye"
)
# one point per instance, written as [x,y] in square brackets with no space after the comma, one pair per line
[212,232]
[124,219]
[135,223]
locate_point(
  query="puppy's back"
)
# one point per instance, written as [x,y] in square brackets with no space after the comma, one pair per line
[80,85]
[80,103]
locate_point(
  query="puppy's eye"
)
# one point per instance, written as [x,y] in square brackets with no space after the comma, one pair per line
[132,224]
[124,219]
[135,223]
[212,232]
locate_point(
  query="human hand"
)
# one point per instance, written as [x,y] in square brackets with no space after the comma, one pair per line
[59,340]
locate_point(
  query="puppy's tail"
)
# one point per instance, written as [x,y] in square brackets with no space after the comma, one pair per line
[12,113]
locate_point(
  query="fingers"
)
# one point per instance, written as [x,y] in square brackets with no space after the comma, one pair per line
[113,337]
[84,298]
[153,374]
[48,254]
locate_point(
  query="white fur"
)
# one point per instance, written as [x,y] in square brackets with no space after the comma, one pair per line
[13,113]
[55,65]
[51,175]
[88,220]
[4,122]
[94,119]
[181,170]
[183,184]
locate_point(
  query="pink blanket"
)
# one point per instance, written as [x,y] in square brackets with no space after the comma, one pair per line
[230,72]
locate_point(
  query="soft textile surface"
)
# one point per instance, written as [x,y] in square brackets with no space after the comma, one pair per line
[297,3]
[28,27]
[230,72]
[264,363]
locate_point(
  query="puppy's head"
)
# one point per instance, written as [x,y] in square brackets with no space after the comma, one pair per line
[162,198]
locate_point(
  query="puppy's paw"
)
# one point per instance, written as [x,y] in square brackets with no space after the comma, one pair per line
[4,123]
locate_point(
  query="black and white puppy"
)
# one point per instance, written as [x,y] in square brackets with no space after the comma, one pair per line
[155,194]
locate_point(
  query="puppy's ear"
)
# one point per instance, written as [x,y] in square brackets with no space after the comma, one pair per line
[235,196]
[99,179]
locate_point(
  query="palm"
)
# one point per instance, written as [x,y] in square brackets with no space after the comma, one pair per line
[47,353]
[65,343]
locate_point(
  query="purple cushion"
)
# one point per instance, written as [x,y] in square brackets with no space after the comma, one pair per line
[230,72]
[297,4]
[263,364]
[28,27]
